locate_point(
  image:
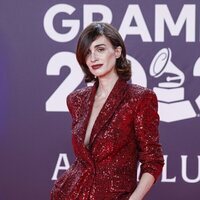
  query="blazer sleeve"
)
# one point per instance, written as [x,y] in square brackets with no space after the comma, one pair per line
[147,134]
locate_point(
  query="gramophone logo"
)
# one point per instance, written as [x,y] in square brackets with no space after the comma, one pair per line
[172,105]
[196,72]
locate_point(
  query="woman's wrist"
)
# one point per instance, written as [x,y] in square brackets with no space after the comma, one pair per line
[143,187]
[134,196]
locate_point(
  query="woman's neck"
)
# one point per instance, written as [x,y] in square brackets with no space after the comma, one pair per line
[106,84]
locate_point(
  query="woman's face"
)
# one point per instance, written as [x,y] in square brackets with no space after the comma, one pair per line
[101,57]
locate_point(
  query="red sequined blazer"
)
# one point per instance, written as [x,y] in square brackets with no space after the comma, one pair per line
[125,132]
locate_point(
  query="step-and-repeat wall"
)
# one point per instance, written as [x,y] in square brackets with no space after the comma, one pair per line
[38,70]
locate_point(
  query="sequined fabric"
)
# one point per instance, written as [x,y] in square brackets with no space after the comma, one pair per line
[125,132]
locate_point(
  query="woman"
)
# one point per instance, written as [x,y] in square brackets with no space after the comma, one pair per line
[115,125]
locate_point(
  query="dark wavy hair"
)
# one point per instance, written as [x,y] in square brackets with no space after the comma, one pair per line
[91,33]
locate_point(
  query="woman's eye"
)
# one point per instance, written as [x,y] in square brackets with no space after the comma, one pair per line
[88,53]
[100,49]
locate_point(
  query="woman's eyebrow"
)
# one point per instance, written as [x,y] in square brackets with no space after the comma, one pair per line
[99,45]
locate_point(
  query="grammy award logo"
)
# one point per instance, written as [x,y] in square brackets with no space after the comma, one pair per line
[171,103]
[196,72]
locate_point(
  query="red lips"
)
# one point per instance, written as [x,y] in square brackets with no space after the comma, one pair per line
[96,66]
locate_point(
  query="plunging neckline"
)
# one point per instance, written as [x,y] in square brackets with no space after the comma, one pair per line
[93,93]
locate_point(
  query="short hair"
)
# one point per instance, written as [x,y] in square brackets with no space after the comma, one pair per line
[90,34]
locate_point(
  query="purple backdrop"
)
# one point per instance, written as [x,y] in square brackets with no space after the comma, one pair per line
[38,70]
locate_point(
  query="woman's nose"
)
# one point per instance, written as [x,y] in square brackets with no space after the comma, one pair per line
[93,57]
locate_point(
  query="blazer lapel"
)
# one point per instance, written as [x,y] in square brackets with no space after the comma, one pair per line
[86,111]
[114,99]
[80,130]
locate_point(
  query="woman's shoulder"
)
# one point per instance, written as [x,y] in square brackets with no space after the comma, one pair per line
[79,93]
[142,97]
[76,99]
[138,91]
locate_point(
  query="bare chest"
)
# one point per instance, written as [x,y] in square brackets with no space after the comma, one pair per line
[97,106]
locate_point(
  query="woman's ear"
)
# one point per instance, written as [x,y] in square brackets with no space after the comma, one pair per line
[118,52]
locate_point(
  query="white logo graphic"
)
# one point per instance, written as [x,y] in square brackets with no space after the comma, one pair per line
[196,72]
[171,106]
